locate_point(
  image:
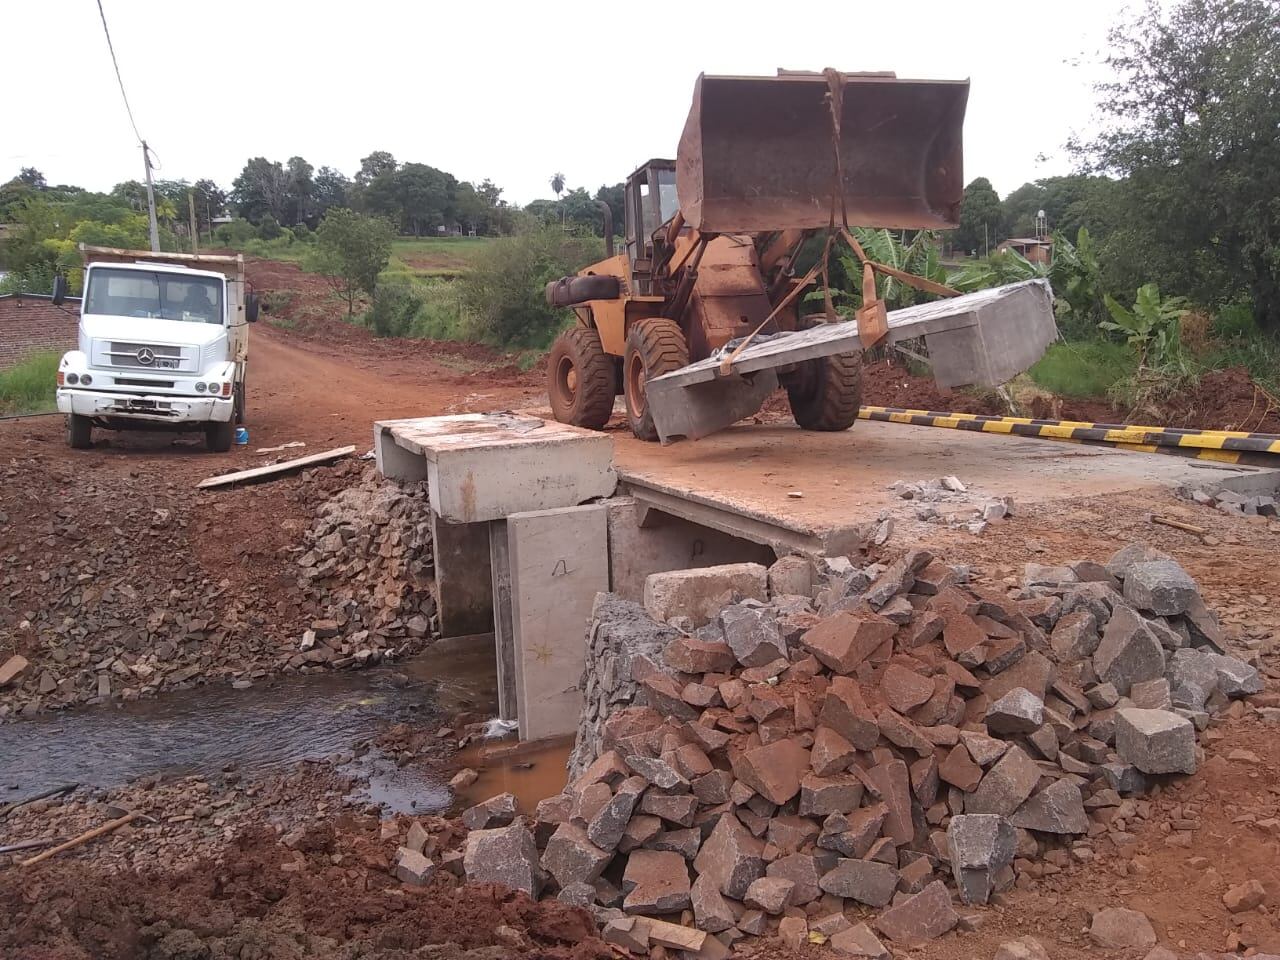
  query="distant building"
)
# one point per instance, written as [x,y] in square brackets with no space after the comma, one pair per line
[1035,249]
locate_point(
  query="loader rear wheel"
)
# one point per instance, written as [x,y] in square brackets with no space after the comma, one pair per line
[825,393]
[582,381]
[654,347]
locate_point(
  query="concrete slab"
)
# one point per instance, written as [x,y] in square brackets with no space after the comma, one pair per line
[482,467]
[741,481]
[559,561]
[984,338]
[643,540]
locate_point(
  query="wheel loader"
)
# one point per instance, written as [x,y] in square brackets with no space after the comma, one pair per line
[712,238]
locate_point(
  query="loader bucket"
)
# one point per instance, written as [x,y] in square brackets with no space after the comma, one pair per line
[756,153]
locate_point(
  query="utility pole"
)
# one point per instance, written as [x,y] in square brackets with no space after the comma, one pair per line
[151,200]
[195,235]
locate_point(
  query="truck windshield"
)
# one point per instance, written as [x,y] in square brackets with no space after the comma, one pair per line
[156,295]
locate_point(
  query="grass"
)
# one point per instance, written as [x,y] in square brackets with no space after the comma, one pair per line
[1083,369]
[29,386]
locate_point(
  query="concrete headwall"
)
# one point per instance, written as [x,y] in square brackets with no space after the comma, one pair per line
[31,324]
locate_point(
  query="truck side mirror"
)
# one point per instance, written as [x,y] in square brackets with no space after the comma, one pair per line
[59,290]
[251,308]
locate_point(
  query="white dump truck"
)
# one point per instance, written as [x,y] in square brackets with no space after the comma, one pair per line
[164,344]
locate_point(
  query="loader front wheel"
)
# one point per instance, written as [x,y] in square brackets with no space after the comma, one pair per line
[581,379]
[825,393]
[654,347]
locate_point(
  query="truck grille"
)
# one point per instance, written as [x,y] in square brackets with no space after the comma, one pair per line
[146,356]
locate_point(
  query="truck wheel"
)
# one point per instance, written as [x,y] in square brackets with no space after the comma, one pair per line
[825,393]
[218,436]
[239,401]
[79,432]
[654,347]
[581,381]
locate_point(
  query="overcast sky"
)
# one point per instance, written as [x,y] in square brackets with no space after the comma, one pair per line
[512,91]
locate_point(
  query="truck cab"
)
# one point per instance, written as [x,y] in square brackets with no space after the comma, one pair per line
[163,344]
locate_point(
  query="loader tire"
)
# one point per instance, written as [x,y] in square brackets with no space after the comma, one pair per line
[825,393]
[654,347]
[581,379]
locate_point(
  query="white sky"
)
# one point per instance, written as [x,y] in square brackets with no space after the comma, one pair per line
[511,91]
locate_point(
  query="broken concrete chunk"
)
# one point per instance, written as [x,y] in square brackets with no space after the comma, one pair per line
[1151,694]
[1018,711]
[495,812]
[774,770]
[1160,586]
[691,655]
[919,919]
[1119,929]
[1075,636]
[701,594]
[1124,558]
[959,769]
[657,772]
[802,870]
[823,796]
[769,894]
[12,668]
[1058,808]
[845,640]
[605,829]
[1156,741]
[831,753]
[506,855]
[1024,948]
[711,912]
[866,881]
[1006,785]
[905,689]
[983,749]
[655,881]
[892,780]
[845,711]
[413,867]
[791,576]
[570,856]
[897,578]
[752,634]
[1235,678]
[1039,575]
[1129,652]
[731,857]
[859,942]
[980,846]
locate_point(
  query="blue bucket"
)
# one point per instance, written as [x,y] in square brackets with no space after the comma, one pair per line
[242,436]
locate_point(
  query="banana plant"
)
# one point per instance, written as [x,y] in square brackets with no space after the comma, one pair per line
[1001,267]
[1153,328]
[919,257]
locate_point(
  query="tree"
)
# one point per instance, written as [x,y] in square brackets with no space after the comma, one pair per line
[299,202]
[557,184]
[32,178]
[615,197]
[374,165]
[351,250]
[981,219]
[260,189]
[211,201]
[1191,120]
[331,188]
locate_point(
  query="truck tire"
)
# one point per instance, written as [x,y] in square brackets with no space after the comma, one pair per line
[654,347]
[218,435]
[79,432]
[240,401]
[581,380]
[825,393]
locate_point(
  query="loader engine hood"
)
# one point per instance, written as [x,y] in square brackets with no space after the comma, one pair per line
[757,153]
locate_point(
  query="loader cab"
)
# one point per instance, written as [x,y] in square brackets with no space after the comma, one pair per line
[650,202]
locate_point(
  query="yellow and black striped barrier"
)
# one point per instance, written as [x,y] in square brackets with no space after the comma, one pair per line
[1223,446]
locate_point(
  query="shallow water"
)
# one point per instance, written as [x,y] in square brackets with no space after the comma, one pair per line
[271,725]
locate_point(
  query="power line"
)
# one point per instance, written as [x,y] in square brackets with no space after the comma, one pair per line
[119,79]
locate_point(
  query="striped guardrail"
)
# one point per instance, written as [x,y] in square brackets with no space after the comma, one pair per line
[1223,446]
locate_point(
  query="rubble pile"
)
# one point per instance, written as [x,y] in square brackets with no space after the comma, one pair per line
[367,567]
[794,763]
[121,604]
[1228,501]
[962,507]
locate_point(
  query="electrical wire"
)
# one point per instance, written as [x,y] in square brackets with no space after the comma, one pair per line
[119,79]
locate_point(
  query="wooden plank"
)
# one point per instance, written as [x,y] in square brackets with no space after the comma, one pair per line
[275,469]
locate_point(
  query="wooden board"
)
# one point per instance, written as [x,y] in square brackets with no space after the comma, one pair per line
[275,469]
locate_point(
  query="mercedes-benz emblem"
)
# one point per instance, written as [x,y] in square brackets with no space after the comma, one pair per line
[146,357]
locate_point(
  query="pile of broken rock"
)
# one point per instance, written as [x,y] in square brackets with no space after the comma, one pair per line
[829,765]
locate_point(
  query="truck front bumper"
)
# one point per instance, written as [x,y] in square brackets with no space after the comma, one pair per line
[163,408]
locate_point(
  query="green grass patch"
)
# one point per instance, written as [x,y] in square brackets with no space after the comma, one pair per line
[29,386]
[1083,369]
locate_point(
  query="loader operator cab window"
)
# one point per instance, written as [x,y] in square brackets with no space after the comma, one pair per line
[668,203]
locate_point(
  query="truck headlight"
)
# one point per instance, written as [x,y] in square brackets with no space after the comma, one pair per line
[200,387]
[85,379]
[73,379]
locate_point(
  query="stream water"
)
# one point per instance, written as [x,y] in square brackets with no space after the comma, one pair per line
[270,725]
